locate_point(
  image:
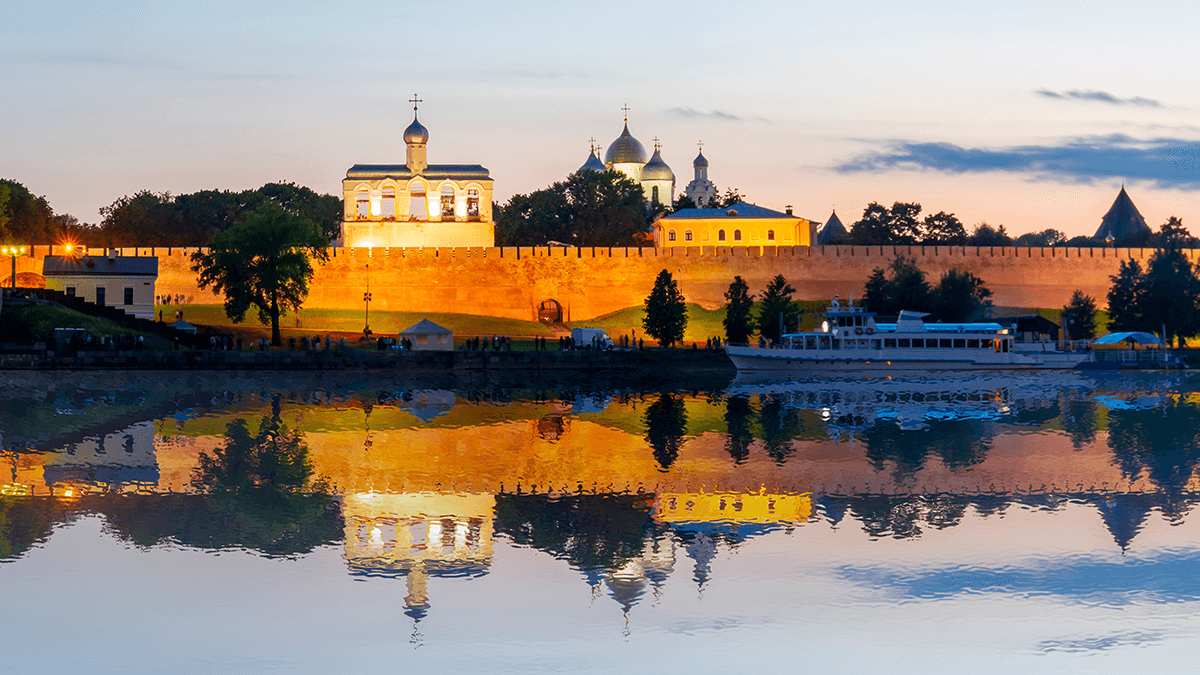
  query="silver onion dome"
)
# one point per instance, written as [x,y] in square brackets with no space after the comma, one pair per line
[416,132]
[657,169]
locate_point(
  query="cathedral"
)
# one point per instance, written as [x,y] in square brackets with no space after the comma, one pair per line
[628,155]
[416,203]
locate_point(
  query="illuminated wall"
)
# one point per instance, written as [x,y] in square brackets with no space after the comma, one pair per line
[589,282]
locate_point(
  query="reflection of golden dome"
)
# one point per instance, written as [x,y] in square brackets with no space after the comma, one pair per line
[625,150]
[416,132]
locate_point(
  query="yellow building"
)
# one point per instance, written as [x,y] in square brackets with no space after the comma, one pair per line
[417,204]
[742,224]
[123,282]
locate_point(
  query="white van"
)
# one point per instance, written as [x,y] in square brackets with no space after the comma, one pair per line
[595,338]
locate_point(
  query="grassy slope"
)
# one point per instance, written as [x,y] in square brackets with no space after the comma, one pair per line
[345,320]
[21,323]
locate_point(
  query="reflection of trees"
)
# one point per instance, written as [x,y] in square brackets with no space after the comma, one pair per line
[591,532]
[27,521]
[666,424]
[958,443]
[262,493]
[1161,441]
[737,428]
[779,427]
[1080,420]
[903,517]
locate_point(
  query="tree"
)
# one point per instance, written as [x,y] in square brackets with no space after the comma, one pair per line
[776,300]
[666,314]
[589,208]
[1047,237]
[738,322]
[264,262]
[986,235]
[1124,298]
[26,218]
[1171,295]
[684,202]
[901,285]
[961,296]
[666,425]
[1079,316]
[943,229]
[881,226]
[1173,234]
[732,196]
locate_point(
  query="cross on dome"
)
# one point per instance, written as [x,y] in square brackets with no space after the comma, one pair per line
[626,109]
[414,100]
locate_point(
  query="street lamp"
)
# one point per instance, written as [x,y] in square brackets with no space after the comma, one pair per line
[13,252]
[367,304]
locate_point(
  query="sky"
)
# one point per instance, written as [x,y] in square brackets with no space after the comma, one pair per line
[1026,114]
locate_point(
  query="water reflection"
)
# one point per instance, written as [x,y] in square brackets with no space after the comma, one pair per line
[628,487]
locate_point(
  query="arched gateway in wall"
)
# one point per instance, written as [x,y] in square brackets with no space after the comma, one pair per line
[550,312]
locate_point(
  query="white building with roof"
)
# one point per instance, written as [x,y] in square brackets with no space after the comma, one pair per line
[417,204]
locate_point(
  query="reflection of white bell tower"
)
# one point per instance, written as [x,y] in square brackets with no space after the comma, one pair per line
[701,190]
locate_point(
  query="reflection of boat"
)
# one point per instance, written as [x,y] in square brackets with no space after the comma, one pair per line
[851,340]
[910,400]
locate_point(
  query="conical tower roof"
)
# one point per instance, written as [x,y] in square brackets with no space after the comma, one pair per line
[1122,220]
[834,232]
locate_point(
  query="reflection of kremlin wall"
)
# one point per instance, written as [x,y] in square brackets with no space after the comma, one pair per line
[588,282]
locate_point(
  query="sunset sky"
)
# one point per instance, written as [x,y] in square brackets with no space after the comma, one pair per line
[1015,113]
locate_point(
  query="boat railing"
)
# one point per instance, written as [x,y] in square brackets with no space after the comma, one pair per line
[1134,356]
[1059,345]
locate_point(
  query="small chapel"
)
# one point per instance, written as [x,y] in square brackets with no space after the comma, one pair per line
[417,204]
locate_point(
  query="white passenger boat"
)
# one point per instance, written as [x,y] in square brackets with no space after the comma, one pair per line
[851,340]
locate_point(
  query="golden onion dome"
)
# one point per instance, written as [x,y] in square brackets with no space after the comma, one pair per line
[657,169]
[416,132]
[625,150]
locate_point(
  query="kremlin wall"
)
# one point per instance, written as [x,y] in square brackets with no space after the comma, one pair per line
[589,282]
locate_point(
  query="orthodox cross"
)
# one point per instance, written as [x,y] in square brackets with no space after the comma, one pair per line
[657,147]
[626,109]
[592,141]
[700,144]
[414,100]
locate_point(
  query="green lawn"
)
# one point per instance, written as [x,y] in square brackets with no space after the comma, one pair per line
[351,321]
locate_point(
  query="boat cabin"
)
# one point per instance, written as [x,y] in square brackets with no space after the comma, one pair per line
[853,328]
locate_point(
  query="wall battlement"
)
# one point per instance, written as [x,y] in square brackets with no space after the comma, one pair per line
[588,282]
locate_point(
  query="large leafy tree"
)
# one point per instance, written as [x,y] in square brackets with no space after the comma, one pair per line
[264,263]
[961,296]
[27,218]
[666,313]
[1125,311]
[738,322]
[1047,237]
[987,235]
[901,285]
[1080,316]
[1173,234]
[193,219]
[776,301]
[944,229]
[589,208]
[881,225]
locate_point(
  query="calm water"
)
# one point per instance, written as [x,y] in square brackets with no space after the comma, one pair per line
[157,522]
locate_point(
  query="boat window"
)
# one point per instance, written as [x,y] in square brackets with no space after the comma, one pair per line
[945,343]
[875,344]
[904,343]
[810,342]
[823,342]
[918,343]
[1006,344]
[889,343]
[837,344]
[995,345]
[972,344]
[959,343]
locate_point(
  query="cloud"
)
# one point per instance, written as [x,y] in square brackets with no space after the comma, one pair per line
[1165,162]
[1099,97]
[1098,643]
[691,113]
